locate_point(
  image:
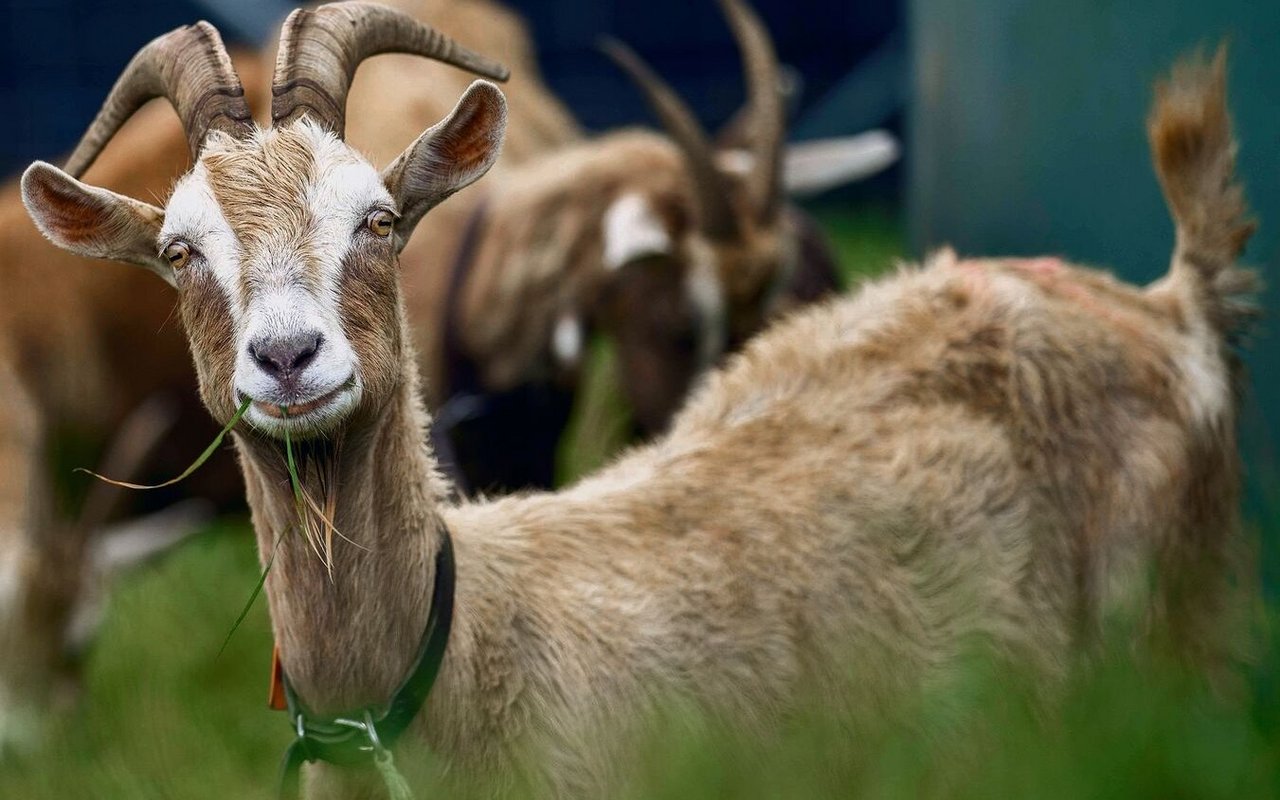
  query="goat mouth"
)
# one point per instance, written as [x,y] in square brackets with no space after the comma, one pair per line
[294,410]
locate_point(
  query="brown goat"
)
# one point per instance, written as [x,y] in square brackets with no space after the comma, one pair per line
[1008,450]
[647,238]
[113,346]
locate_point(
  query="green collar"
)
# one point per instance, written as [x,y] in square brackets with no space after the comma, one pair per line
[367,736]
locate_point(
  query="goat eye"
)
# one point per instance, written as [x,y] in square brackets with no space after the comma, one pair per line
[177,254]
[380,222]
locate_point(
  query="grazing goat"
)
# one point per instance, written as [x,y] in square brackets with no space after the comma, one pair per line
[1005,450]
[109,353]
[671,247]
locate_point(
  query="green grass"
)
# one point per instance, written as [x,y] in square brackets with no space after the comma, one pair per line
[868,240]
[166,717]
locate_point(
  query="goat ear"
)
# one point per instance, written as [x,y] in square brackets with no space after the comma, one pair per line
[449,156]
[816,166]
[93,222]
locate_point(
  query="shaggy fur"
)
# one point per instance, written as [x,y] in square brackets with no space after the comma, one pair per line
[1006,451]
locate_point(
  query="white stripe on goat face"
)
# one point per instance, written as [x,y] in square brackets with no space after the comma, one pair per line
[277,252]
[633,230]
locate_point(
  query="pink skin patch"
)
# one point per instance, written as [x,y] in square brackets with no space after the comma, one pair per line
[975,274]
[1045,266]
[1056,278]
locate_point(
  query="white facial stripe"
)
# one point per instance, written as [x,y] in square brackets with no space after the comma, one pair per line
[707,295]
[284,314]
[633,230]
[193,214]
[566,340]
[344,189]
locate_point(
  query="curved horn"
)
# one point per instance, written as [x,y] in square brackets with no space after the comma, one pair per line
[766,103]
[320,49]
[190,67]
[718,218]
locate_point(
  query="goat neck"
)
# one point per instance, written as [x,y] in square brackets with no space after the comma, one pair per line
[348,631]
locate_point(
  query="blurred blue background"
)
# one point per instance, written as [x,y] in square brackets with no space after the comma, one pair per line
[61,56]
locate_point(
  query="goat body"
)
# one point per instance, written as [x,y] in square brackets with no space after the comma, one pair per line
[997,450]
[1004,451]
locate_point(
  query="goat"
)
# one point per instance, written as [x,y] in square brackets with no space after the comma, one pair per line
[670,247]
[76,371]
[79,371]
[1003,449]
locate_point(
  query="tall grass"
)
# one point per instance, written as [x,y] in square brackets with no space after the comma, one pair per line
[168,718]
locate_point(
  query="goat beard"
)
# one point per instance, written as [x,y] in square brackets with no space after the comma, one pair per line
[316,463]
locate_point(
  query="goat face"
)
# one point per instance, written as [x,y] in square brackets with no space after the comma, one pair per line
[282,253]
[675,296]
[283,245]
[664,321]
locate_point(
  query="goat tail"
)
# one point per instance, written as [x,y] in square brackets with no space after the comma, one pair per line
[1195,158]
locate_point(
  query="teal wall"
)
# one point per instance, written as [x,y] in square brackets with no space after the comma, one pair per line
[1026,135]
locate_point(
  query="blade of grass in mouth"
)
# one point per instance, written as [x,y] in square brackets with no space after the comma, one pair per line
[293,468]
[195,465]
[297,496]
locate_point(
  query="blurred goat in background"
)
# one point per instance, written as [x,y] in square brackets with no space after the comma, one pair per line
[670,245]
[88,352]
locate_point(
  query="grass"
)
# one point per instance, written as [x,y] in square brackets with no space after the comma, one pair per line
[167,717]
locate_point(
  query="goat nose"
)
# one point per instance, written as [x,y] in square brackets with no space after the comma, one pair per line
[285,355]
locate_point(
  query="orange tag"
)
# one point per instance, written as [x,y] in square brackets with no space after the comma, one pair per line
[275,698]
